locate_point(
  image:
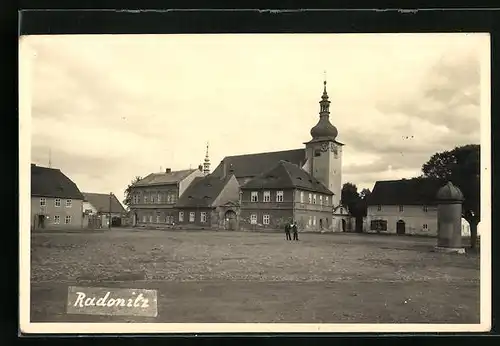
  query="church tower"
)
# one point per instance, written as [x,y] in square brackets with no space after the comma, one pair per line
[206,163]
[324,153]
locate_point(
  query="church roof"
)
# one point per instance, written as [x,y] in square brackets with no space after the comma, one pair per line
[251,165]
[416,191]
[286,175]
[164,178]
[203,191]
[51,182]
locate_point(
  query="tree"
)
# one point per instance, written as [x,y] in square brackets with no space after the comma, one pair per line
[349,196]
[128,197]
[461,167]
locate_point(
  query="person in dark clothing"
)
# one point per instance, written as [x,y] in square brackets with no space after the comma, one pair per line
[287,231]
[295,231]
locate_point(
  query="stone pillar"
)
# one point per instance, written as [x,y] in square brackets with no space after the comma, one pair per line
[449,199]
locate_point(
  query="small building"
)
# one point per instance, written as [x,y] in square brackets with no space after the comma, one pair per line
[154,197]
[285,193]
[205,202]
[56,201]
[342,220]
[99,207]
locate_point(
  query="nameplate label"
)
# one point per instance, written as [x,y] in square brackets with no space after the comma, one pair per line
[112,301]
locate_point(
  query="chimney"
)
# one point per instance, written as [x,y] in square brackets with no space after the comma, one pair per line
[200,168]
[168,170]
[231,170]
[224,169]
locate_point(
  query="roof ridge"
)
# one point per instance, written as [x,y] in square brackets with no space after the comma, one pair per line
[264,153]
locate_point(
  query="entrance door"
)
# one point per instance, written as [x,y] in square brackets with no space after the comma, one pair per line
[343,225]
[400,227]
[41,221]
[230,218]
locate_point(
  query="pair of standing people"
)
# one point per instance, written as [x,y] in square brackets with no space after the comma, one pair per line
[291,228]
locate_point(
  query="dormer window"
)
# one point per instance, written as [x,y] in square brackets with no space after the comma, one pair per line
[254,197]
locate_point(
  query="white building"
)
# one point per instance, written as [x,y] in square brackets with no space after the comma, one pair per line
[405,206]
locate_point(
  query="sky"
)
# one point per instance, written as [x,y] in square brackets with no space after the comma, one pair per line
[111,107]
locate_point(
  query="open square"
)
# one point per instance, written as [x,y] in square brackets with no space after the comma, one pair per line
[221,277]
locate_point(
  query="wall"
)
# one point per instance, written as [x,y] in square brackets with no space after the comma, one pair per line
[164,208]
[211,221]
[184,184]
[307,211]
[75,211]
[277,218]
[414,217]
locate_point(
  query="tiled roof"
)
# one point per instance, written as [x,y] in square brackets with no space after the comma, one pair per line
[286,175]
[100,201]
[51,182]
[416,191]
[203,191]
[164,178]
[251,165]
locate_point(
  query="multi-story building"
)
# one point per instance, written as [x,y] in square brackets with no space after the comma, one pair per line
[56,201]
[154,197]
[320,160]
[204,203]
[283,194]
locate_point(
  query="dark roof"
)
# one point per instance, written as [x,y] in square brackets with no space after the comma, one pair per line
[251,165]
[100,201]
[286,175]
[416,191]
[164,178]
[203,191]
[51,182]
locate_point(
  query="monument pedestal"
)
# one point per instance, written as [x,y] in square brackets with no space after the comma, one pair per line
[459,250]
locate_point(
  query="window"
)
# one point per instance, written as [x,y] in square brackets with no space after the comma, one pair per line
[191,216]
[320,200]
[341,210]
[68,203]
[144,218]
[425,209]
[67,219]
[267,196]
[310,198]
[314,199]
[42,202]
[254,196]
[326,200]
[301,196]
[379,207]
[203,216]
[145,199]
[401,208]
[378,225]
[279,196]
[310,220]
[150,218]
[57,219]
[314,220]
[181,216]
[157,218]
[57,202]
[159,198]
[253,219]
[425,227]
[265,219]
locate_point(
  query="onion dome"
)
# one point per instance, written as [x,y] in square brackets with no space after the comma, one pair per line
[324,129]
[449,192]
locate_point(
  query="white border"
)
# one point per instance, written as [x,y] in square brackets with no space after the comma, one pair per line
[26,57]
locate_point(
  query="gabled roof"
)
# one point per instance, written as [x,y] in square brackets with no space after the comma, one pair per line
[251,165]
[203,191]
[51,182]
[286,175]
[100,201]
[416,191]
[164,178]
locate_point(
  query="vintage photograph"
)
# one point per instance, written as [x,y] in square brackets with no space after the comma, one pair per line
[283,180]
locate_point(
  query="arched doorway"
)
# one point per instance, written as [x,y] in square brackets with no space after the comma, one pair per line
[230,218]
[343,225]
[400,227]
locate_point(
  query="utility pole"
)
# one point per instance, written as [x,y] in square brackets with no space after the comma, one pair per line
[109,222]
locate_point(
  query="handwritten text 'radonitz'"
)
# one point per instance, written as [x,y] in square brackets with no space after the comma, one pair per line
[82,300]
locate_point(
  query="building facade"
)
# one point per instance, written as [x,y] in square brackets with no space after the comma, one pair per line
[154,197]
[100,209]
[203,205]
[283,194]
[56,201]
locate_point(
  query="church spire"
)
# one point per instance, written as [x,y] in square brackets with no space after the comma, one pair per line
[324,130]
[324,103]
[206,163]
